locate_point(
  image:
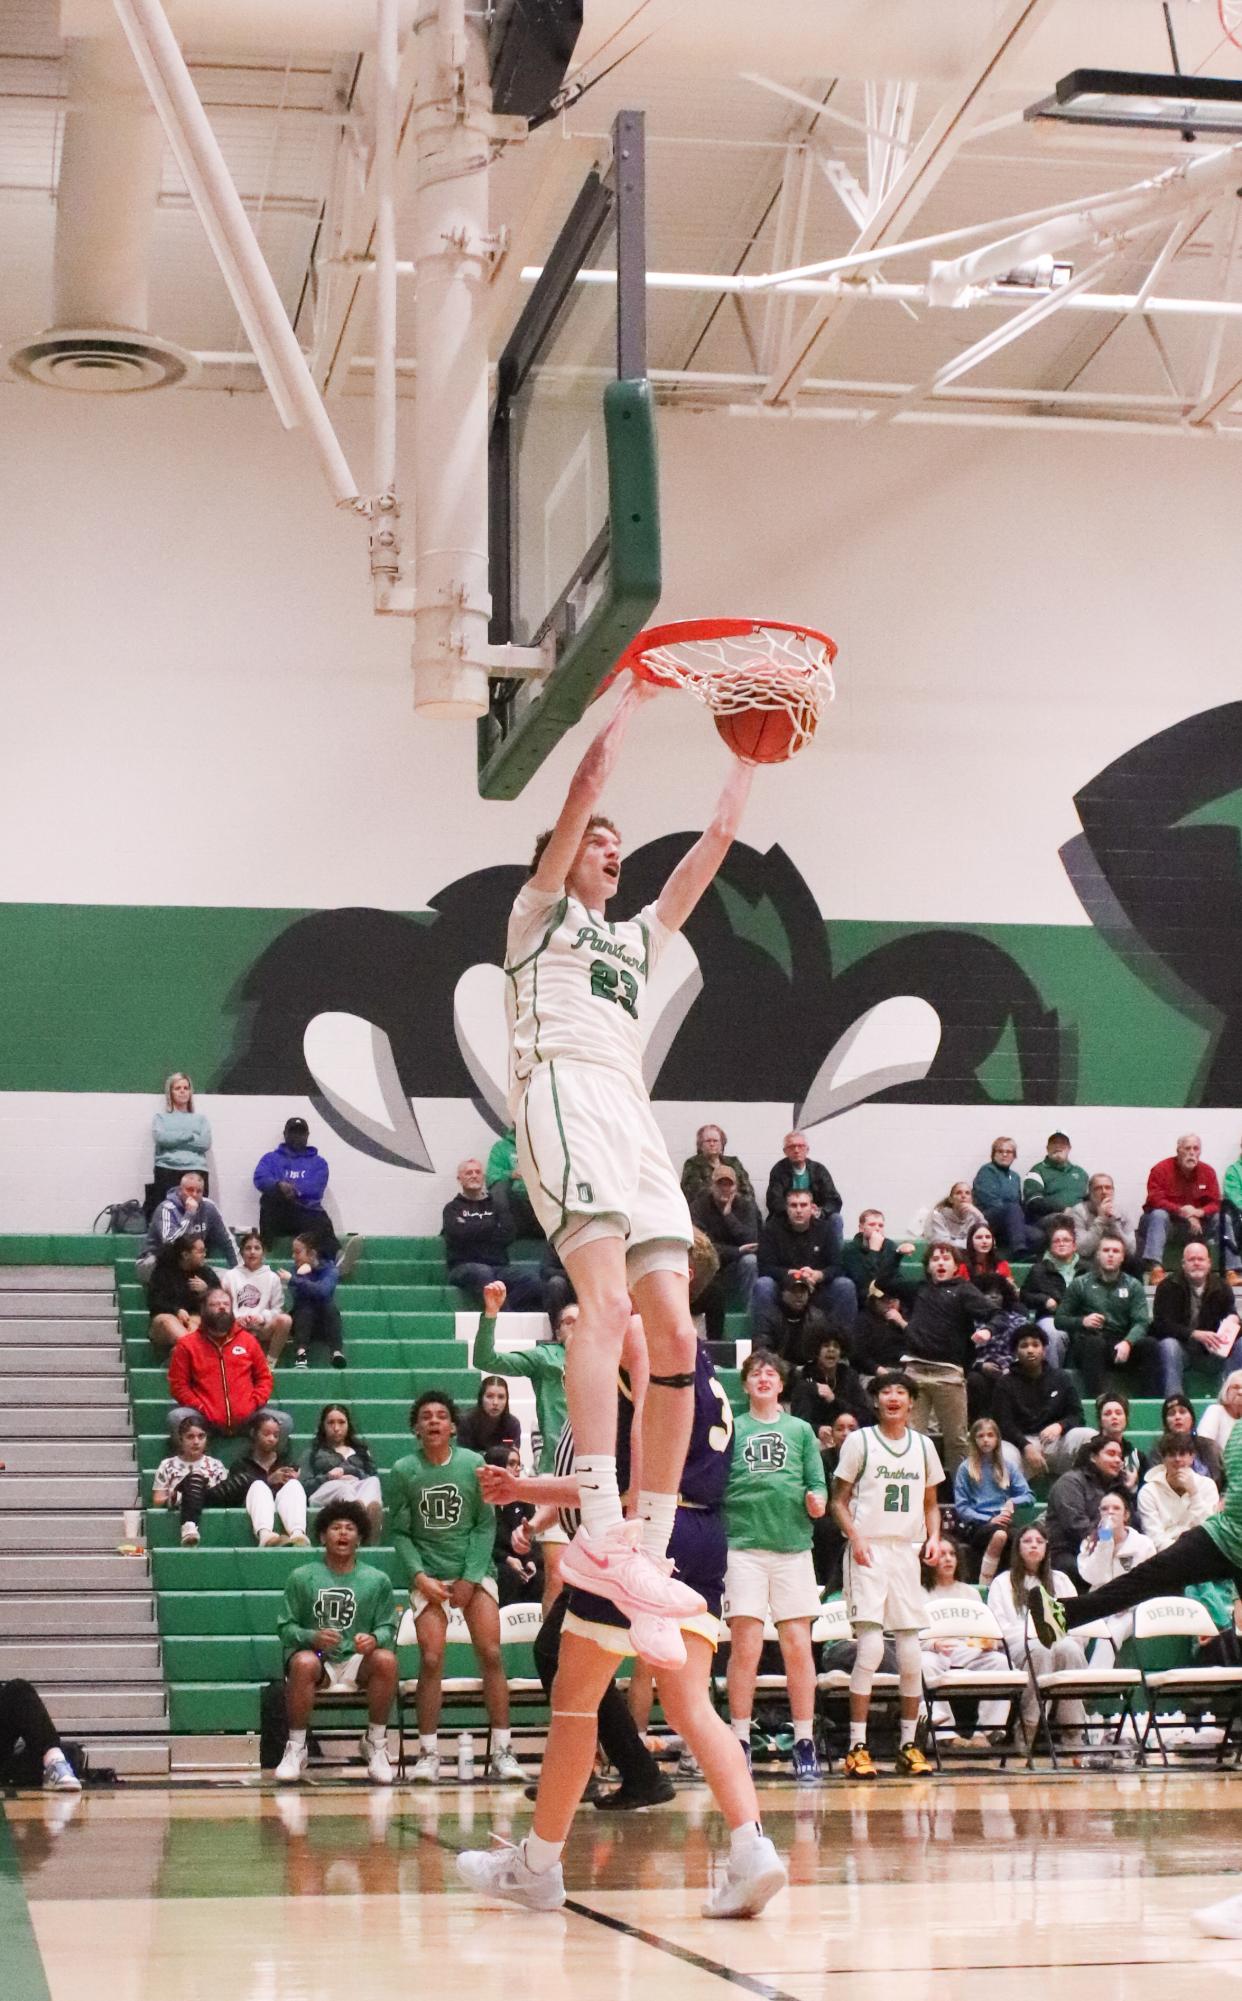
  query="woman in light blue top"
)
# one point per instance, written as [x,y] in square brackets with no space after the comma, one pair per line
[182,1141]
[988,1488]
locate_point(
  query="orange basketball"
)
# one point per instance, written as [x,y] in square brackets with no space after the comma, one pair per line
[766,736]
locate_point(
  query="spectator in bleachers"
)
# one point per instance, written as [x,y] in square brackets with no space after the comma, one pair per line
[337,1466]
[543,1366]
[828,1542]
[180,1282]
[338,1625]
[1112,1412]
[219,1373]
[1177,1414]
[1099,1211]
[316,1315]
[951,1220]
[31,1753]
[292,1180]
[796,1171]
[489,1422]
[184,1213]
[938,1347]
[1008,1601]
[519,1578]
[557,1292]
[264,1481]
[957,1656]
[1194,1322]
[1182,1203]
[258,1296]
[1173,1497]
[1104,1312]
[477,1236]
[182,1142]
[872,1261]
[801,1245]
[1074,1502]
[183,1479]
[793,1325]
[825,1385]
[988,1487]
[1038,1410]
[507,1188]
[1043,1288]
[1220,1417]
[997,1193]
[444,1533]
[1111,1549]
[730,1221]
[878,1336]
[709,1153]
[1054,1184]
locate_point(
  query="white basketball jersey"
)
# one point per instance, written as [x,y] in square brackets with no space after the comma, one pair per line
[576,984]
[891,1479]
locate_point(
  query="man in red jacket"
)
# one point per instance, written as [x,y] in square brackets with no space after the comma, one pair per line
[1183,1201]
[221,1375]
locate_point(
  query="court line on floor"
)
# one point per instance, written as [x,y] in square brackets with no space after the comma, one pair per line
[26,1977]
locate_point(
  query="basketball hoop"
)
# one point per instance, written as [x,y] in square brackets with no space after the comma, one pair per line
[766,683]
[1230,13]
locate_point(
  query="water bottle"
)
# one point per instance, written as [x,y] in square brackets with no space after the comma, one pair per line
[1104,1533]
[465,1759]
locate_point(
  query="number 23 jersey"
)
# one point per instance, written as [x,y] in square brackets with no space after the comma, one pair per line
[891,1479]
[575,984]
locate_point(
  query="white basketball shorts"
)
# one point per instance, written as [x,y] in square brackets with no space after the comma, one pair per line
[888,1591]
[759,1581]
[595,1165]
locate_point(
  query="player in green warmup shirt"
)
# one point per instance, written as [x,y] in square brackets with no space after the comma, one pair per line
[337,1627]
[544,1366]
[444,1533]
[776,1490]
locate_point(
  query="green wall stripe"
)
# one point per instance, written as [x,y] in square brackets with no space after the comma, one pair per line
[21,1963]
[103,997]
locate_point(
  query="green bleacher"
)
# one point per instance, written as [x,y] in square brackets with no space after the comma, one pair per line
[217,1604]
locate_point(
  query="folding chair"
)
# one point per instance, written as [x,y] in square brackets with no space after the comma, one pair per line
[1086,1684]
[965,1619]
[1195,1689]
[520,1626]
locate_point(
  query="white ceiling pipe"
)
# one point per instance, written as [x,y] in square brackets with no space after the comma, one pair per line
[1191,181]
[254,27]
[922,40]
[105,200]
[452,138]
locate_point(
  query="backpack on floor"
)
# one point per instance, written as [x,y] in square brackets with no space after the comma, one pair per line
[125,1219]
[273,1724]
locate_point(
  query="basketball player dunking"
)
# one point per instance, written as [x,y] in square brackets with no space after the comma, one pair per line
[599,1175]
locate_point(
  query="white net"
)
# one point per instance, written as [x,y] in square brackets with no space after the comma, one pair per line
[759,668]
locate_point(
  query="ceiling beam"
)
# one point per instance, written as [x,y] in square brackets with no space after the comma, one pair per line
[940,142]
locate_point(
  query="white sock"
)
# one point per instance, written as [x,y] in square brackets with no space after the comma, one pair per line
[297,1740]
[858,1735]
[744,1838]
[803,1731]
[502,1740]
[540,1855]
[377,1734]
[427,1745]
[657,1513]
[598,1499]
[741,1728]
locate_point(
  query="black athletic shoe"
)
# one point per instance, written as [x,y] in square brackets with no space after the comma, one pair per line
[590,1796]
[338,1358]
[631,1799]
[1047,1615]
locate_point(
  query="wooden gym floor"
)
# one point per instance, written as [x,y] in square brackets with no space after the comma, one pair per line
[1065,1887]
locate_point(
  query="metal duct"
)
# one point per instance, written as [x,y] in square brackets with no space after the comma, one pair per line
[105,213]
[252,27]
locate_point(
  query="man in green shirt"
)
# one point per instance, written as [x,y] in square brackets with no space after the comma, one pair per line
[444,1533]
[544,1366]
[776,1490]
[507,1188]
[1105,1313]
[337,1627]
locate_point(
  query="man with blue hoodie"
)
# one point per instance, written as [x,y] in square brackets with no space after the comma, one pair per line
[291,1180]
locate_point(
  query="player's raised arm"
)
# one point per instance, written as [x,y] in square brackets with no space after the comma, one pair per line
[585,790]
[695,871]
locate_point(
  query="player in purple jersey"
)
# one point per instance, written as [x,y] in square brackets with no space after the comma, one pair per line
[595,1636]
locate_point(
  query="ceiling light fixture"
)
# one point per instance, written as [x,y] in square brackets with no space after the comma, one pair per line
[1200,107]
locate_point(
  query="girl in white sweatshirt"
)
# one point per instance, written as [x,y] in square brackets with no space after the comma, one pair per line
[258,1297]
